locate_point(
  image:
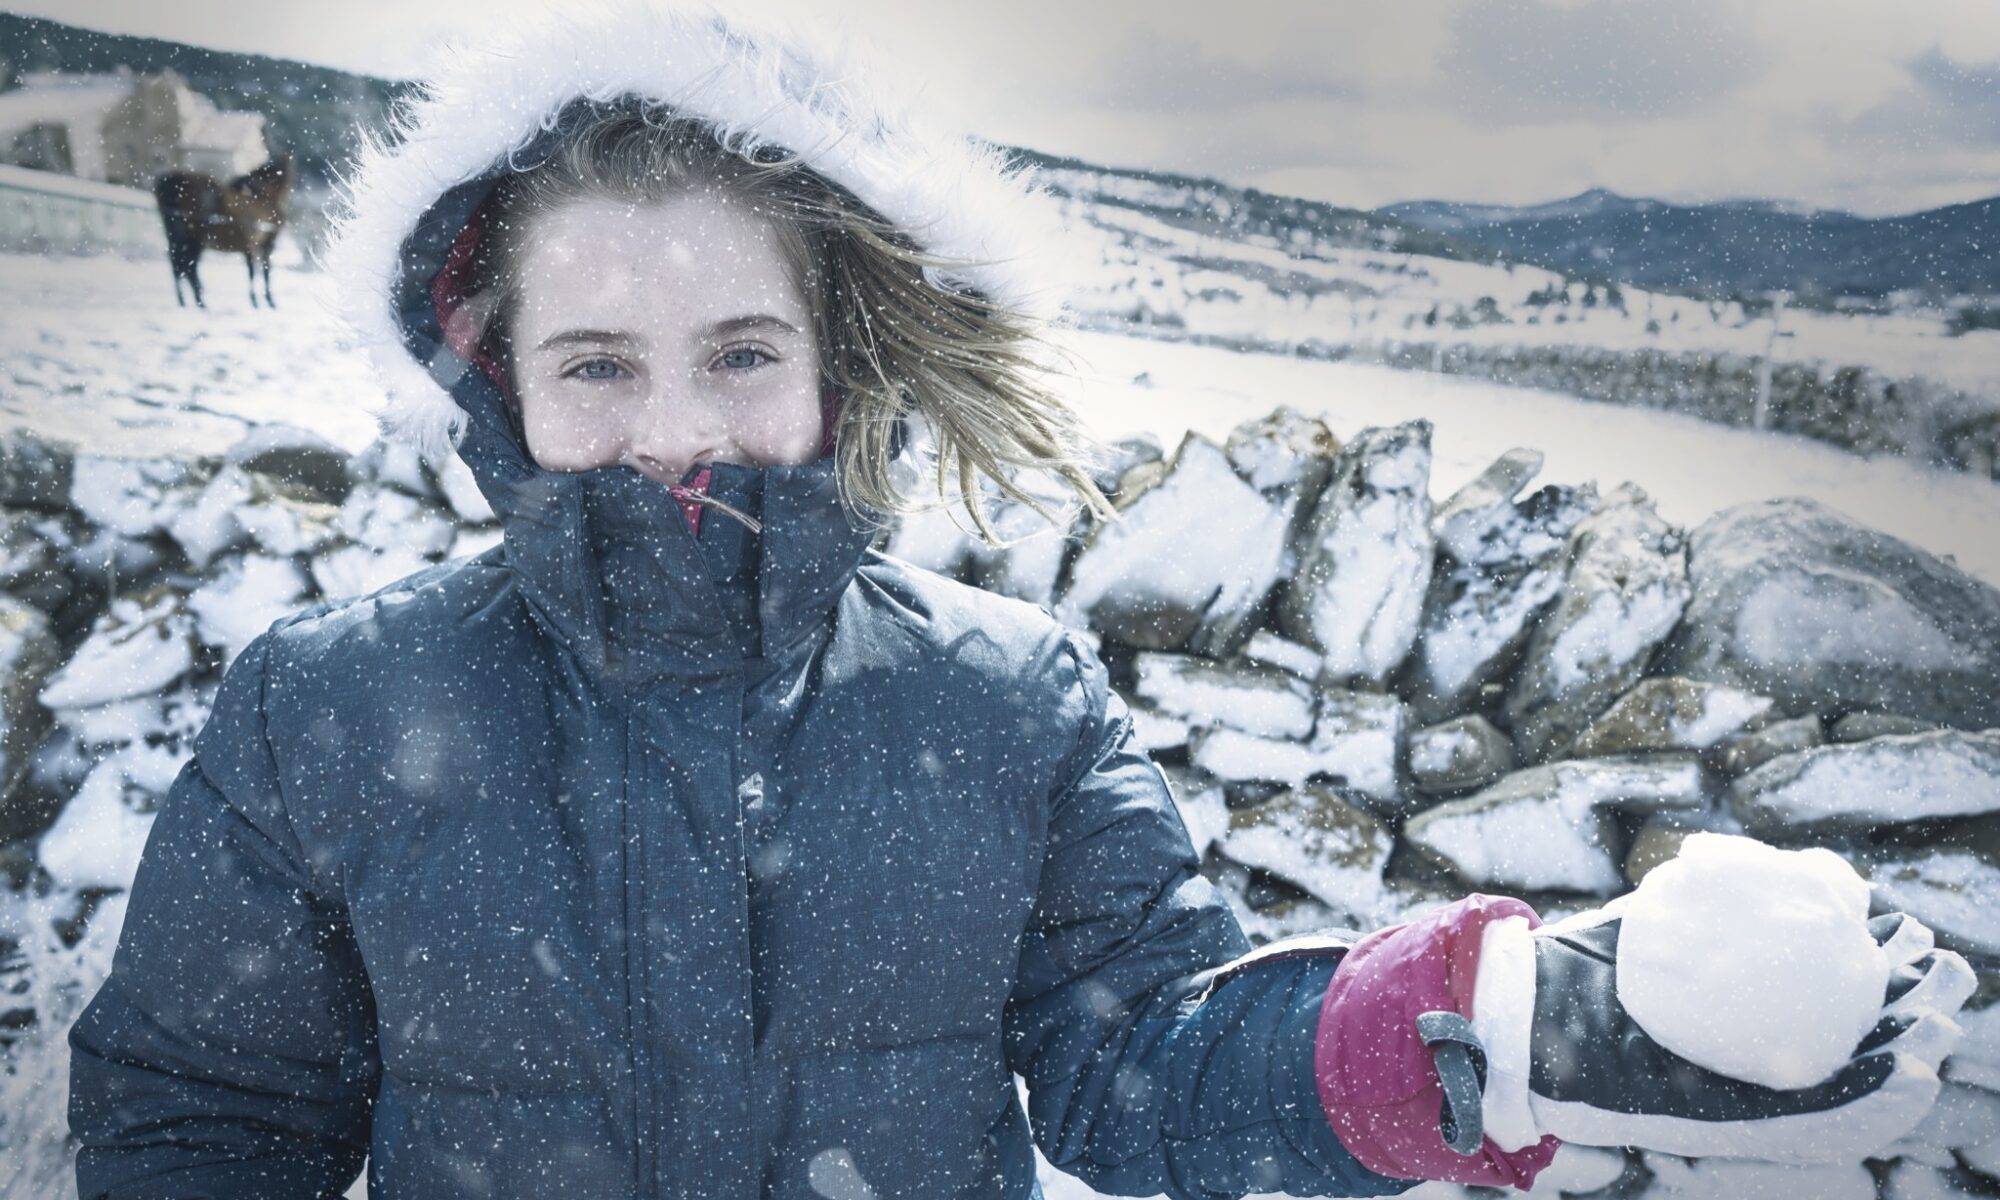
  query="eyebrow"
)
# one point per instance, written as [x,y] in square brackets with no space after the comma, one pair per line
[722,328]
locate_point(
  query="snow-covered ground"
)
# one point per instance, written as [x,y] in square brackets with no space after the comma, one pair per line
[95,348]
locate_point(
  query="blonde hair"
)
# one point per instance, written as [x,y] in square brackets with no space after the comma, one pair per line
[889,340]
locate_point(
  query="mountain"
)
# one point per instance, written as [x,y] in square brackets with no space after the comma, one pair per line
[1739,246]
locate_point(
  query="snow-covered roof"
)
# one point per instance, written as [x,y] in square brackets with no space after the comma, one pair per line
[63,99]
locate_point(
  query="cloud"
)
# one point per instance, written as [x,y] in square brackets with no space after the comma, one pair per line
[1516,61]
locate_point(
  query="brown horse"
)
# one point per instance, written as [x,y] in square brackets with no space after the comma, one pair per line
[243,215]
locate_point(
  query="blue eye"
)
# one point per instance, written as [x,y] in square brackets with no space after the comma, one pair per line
[757,357]
[583,370]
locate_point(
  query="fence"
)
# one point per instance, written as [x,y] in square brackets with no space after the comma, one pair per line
[42,212]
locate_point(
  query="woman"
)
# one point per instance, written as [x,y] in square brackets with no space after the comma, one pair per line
[684,846]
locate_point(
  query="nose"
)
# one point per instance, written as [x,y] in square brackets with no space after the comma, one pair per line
[673,433]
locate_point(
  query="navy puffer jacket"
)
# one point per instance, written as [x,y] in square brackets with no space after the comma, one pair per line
[621,861]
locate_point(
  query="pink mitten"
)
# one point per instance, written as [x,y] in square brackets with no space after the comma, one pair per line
[1374,1057]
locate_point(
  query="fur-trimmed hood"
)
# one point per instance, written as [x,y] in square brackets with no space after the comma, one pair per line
[495,99]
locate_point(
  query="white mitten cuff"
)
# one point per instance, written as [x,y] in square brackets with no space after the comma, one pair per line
[1503,1013]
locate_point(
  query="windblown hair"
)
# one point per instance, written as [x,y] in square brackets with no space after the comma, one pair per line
[889,341]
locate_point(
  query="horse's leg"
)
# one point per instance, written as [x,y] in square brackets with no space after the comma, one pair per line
[264,258]
[250,265]
[194,275]
[174,267]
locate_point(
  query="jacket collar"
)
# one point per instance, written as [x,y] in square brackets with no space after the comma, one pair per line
[609,564]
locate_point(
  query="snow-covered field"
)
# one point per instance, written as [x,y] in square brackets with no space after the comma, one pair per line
[95,349]
[1257,289]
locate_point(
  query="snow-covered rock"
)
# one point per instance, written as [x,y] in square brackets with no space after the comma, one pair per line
[280,523]
[1458,755]
[1479,612]
[1275,650]
[128,496]
[140,645]
[1975,1061]
[1189,553]
[1864,725]
[244,598]
[1355,744]
[1747,1179]
[937,539]
[1795,601]
[1477,515]
[28,653]
[1313,838]
[300,460]
[397,464]
[1671,713]
[1626,588]
[1745,752]
[1255,699]
[1546,829]
[1963,1118]
[35,472]
[387,519]
[1203,807]
[1154,731]
[33,567]
[1659,837]
[96,840]
[1578,1170]
[1364,557]
[1950,883]
[1030,565]
[206,523]
[1860,785]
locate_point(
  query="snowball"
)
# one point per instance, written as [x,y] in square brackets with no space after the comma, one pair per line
[1751,961]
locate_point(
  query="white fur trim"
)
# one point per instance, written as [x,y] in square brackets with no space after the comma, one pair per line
[1503,1014]
[852,121]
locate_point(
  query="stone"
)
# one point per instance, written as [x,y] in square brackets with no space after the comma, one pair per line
[28,654]
[1795,601]
[1255,699]
[1313,838]
[1188,556]
[1479,512]
[142,644]
[1545,828]
[35,472]
[1364,558]
[243,599]
[131,497]
[1861,785]
[300,461]
[1671,713]
[33,569]
[387,519]
[1861,726]
[1275,650]
[1626,589]
[1459,755]
[1480,612]
[1355,744]
[1747,751]
[1660,835]
[1948,878]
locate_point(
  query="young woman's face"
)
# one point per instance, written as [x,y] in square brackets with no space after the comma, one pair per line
[662,334]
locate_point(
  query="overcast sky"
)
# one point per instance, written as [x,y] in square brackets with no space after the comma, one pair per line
[1877,106]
